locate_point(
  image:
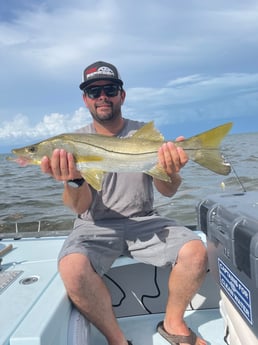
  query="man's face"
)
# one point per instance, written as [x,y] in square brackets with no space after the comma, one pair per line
[102,103]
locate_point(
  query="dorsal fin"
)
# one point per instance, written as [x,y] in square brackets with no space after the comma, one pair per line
[148,132]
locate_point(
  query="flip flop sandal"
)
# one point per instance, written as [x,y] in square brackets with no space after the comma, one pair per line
[176,339]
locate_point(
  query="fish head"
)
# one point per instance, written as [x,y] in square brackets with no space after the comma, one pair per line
[33,154]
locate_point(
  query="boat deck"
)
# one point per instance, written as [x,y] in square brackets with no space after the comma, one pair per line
[36,311]
[33,301]
[141,329]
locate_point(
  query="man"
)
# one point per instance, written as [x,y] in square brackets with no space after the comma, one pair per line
[120,219]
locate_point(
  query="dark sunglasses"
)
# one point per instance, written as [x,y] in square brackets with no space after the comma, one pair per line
[95,91]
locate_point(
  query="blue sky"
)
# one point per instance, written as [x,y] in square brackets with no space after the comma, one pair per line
[187,65]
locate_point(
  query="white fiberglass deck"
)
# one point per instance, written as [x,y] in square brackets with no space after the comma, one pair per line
[30,312]
[141,329]
[38,311]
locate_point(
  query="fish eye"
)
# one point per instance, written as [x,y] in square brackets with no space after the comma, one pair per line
[32,149]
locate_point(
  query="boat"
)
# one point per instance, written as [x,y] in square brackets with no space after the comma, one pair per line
[35,309]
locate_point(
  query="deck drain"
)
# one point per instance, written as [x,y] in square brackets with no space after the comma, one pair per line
[29,280]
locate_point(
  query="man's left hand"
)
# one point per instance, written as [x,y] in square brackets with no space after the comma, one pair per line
[171,157]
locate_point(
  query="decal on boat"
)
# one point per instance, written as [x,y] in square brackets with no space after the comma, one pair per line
[236,290]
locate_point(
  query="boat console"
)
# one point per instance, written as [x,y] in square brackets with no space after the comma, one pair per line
[230,222]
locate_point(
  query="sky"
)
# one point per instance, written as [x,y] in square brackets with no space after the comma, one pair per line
[189,65]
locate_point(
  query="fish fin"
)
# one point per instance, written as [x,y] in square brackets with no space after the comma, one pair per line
[212,160]
[213,137]
[94,177]
[148,132]
[158,173]
[206,150]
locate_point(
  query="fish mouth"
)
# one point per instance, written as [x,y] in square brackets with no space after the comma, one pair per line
[21,160]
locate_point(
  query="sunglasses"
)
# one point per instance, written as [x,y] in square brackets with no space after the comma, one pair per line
[95,91]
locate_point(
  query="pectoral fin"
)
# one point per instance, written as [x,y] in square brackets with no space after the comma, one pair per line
[158,173]
[93,177]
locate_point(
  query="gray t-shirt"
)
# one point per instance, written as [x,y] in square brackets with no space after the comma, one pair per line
[122,194]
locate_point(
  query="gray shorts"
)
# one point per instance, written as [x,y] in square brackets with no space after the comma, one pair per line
[153,240]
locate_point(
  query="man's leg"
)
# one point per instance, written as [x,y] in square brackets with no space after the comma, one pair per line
[88,292]
[185,279]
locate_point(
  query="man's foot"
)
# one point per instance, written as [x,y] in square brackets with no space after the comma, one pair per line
[175,339]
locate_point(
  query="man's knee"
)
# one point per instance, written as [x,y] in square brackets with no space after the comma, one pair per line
[75,270]
[194,254]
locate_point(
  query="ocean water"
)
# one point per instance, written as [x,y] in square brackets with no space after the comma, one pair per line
[30,199]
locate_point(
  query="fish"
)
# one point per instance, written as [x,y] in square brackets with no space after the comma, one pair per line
[97,154]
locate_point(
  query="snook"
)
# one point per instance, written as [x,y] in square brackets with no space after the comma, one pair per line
[96,154]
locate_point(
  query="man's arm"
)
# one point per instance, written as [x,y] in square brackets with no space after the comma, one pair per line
[62,167]
[172,159]
[78,199]
[168,188]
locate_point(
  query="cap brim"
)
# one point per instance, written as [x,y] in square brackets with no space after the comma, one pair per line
[88,82]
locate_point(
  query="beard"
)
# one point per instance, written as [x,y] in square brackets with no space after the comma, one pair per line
[107,113]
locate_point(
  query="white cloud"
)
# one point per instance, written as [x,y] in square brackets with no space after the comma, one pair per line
[54,38]
[198,97]
[51,124]
[196,88]
[194,96]
[15,127]
[178,59]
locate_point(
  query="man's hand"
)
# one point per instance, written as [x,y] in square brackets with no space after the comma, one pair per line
[171,157]
[61,166]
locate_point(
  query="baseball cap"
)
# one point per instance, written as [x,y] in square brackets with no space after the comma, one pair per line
[100,70]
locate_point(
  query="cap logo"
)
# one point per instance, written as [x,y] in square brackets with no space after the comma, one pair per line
[104,70]
[100,70]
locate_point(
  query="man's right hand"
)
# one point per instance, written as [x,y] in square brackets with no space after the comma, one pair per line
[61,166]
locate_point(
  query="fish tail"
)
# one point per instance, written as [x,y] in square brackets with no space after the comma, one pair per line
[207,149]
[213,160]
